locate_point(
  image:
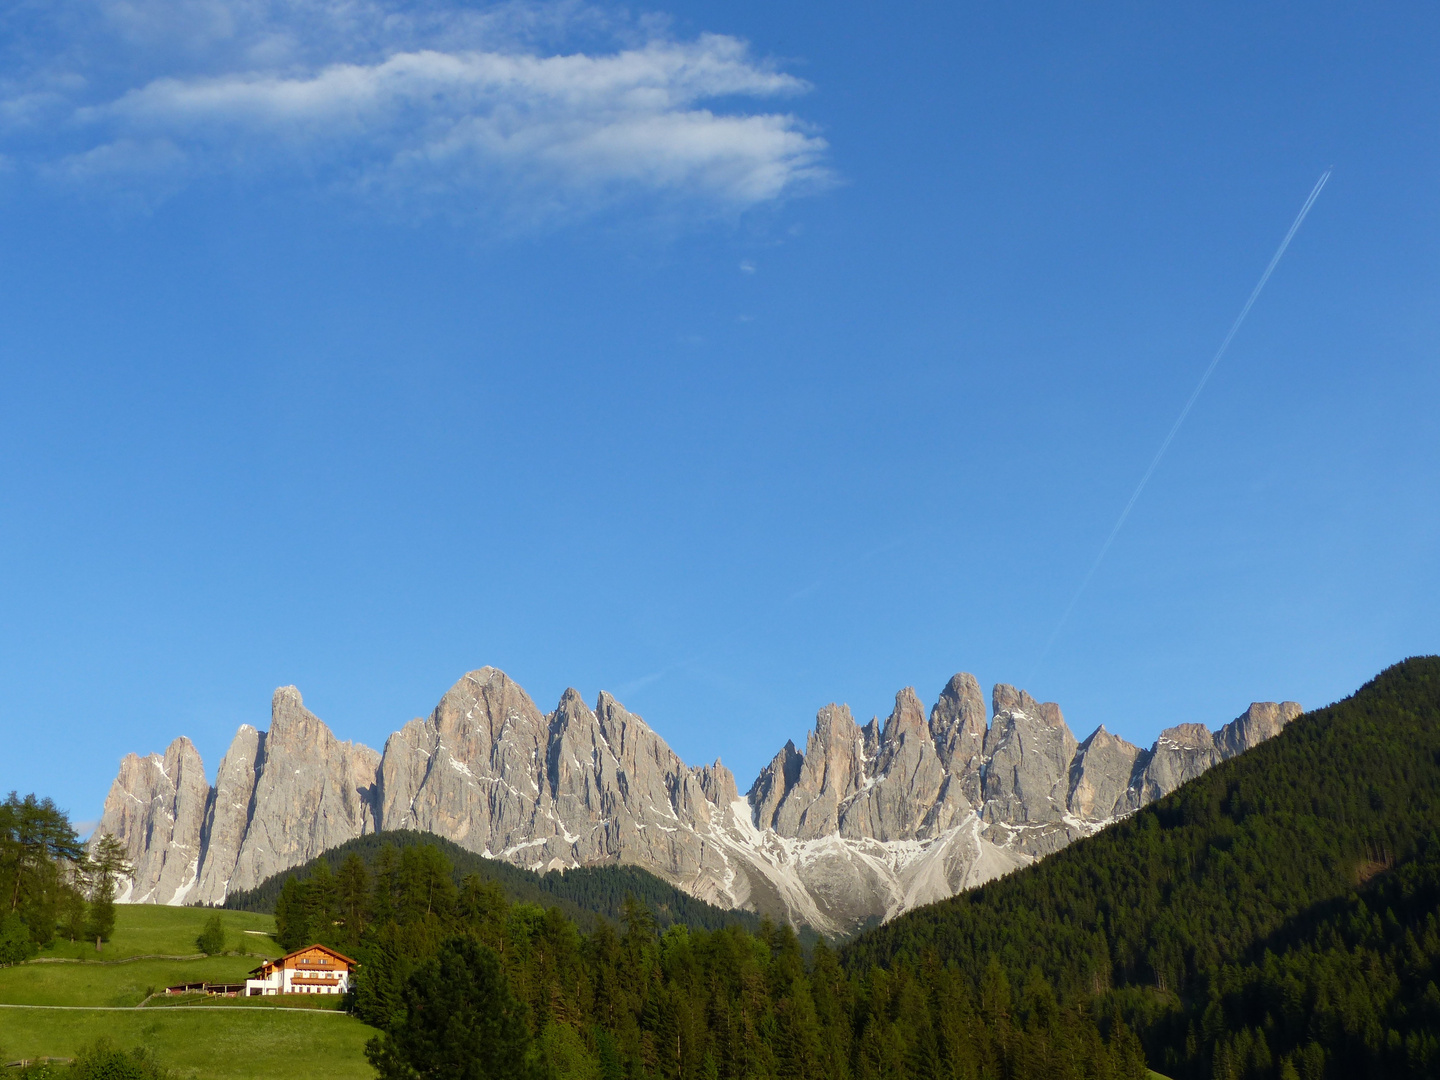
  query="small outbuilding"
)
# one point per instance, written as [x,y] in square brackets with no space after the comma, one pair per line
[315,969]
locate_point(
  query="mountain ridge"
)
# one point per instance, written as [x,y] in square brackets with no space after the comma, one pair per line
[582,894]
[1280,908]
[865,823]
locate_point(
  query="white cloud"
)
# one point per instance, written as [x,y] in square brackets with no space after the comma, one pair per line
[457,102]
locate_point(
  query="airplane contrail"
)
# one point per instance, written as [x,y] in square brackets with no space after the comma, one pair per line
[1179,420]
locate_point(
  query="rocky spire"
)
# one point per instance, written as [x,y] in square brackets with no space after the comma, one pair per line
[231,806]
[1100,775]
[156,808]
[1028,751]
[312,792]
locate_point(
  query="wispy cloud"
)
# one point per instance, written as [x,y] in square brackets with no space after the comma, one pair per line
[500,108]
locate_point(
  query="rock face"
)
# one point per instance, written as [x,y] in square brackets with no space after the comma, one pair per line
[228,816]
[866,822]
[156,807]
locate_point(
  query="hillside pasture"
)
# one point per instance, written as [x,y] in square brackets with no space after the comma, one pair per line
[156,930]
[125,984]
[208,1043]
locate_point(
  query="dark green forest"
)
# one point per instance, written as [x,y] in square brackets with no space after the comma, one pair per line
[581,894]
[1276,917]
[465,983]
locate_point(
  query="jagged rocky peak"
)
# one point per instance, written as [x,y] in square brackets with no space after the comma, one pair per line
[472,770]
[156,808]
[1028,751]
[228,814]
[774,783]
[832,770]
[311,792]
[958,722]
[1101,775]
[718,783]
[1184,751]
[883,783]
[907,779]
[1261,721]
[1011,701]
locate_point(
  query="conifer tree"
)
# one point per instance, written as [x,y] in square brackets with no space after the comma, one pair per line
[292,915]
[109,863]
[352,887]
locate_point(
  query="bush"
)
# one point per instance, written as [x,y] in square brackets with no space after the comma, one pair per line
[102,1060]
[15,943]
[212,938]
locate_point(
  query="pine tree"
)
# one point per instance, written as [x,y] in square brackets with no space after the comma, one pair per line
[352,886]
[109,864]
[292,915]
[321,904]
[73,914]
[36,839]
[382,898]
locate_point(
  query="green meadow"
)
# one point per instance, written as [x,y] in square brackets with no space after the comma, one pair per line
[207,1043]
[126,984]
[153,930]
[72,995]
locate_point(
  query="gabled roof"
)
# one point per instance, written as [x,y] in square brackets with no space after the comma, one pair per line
[308,948]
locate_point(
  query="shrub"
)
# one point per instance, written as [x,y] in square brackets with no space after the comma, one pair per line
[212,938]
[15,942]
[102,1060]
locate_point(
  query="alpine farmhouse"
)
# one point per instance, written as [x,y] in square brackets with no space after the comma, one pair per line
[315,969]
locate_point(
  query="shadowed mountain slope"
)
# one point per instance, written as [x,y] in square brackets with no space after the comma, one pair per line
[581,893]
[1272,912]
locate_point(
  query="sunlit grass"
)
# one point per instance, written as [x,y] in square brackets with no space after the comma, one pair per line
[156,930]
[213,1043]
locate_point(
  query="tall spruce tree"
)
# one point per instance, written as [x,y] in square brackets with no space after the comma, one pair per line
[292,915]
[109,864]
[352,893]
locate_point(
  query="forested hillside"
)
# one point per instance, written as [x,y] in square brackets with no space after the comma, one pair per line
[1275,917]
[580,894]
[465,983]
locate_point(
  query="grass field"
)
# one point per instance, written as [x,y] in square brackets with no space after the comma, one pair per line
[209,1038]
[112,984]
[153,930]
[211,1044]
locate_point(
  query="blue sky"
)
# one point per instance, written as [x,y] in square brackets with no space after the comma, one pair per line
[735,358]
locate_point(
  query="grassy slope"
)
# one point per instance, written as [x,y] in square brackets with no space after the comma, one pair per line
[210,1038]
[112,984]
[214,1044]
[154,930]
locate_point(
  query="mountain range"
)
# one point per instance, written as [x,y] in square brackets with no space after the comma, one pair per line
[863,824]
